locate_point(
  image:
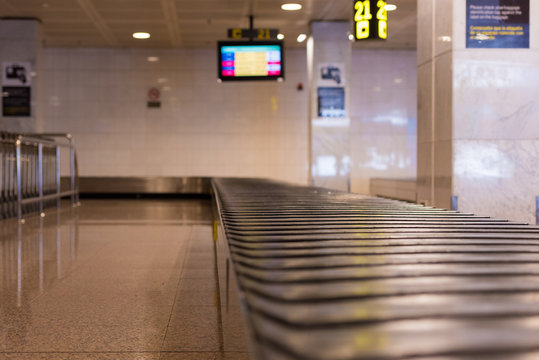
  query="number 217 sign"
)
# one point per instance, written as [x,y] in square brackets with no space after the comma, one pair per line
[370,19]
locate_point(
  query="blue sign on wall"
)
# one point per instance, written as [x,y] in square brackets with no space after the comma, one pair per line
[497,23]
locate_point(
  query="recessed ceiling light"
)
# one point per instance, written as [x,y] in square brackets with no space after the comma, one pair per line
[152,58]
[141,35]
[301,37]
[390,7]
[350,37]
[280,36]
[291,7]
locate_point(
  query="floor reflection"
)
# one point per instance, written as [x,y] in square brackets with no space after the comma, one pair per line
[35,254]
[137,278]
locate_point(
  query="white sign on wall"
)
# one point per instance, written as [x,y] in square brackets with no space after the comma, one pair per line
[331,74]
[16,74]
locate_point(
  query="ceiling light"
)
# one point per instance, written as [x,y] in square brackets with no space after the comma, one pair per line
[390,7]
[302,37]
[152,58]
[291,7]
[350,37]
[280,36]
[141,35]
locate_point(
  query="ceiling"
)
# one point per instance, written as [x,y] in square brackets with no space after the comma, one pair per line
[191,23]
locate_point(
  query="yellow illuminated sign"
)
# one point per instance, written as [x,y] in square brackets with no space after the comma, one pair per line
[370,21]
[236,34]
[260,34]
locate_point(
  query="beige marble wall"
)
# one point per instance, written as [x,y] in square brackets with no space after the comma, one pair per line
[478,117]
[496,124]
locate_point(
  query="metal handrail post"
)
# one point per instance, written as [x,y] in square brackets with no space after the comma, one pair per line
[58,176]
[72,171]
[27,173]
[40,176]
[19,180]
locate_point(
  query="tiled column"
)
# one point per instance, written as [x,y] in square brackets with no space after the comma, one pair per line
[434,123]
[478,117]
[20,42]
[329,46]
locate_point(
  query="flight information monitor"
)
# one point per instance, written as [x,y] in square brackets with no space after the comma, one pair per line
[256,60]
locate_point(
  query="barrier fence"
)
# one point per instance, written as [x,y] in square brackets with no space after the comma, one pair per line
[31,172]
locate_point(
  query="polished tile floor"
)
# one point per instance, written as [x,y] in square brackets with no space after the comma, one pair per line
[118,279]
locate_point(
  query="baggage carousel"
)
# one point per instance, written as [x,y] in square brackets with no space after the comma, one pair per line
[331,275]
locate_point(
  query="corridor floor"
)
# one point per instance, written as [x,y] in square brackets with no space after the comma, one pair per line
[117,279]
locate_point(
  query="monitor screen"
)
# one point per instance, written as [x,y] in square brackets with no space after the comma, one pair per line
[258,60]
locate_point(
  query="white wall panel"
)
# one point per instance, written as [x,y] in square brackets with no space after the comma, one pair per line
[208,129]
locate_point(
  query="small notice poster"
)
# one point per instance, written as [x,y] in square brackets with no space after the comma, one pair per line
[331,102]
[16,89]
[16,101]
[154,95]
[497,23]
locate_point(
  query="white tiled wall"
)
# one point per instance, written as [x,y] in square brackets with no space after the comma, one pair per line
[383,109]
[209,129]
[202,129]
[331,150]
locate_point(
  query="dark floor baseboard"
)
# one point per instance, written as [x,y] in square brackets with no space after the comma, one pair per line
[161,196]
[90,186]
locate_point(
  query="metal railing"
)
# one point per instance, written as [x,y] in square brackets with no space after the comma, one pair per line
[30,177]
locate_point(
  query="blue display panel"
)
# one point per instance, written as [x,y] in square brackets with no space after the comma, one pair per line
[497,23]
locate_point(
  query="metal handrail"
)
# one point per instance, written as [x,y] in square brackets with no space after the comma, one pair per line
[31,172]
